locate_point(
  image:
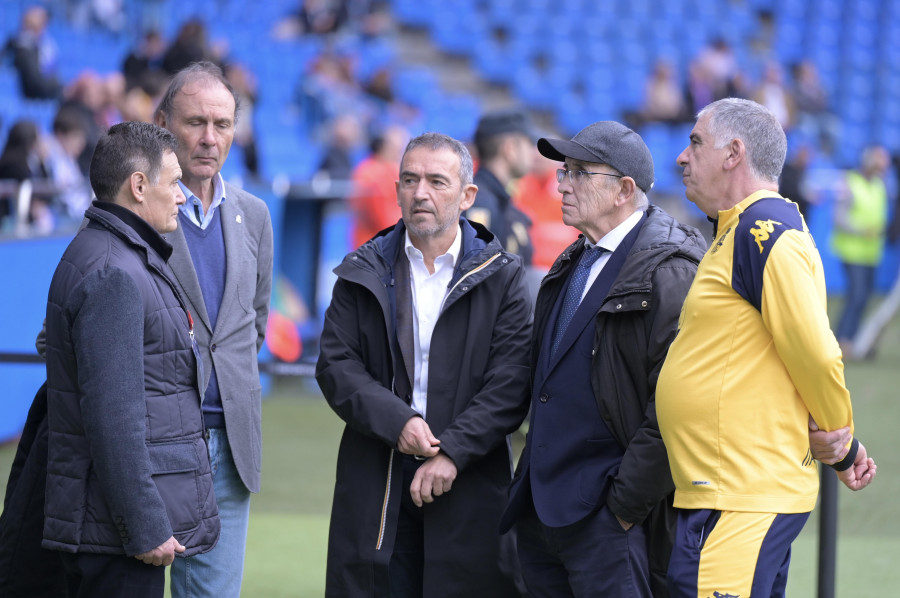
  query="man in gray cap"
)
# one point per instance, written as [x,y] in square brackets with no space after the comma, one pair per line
[592,494]
[504,141]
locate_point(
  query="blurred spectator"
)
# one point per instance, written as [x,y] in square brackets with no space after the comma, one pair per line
[191,45]
[328,89]
[113,93]
[774,95]
[106,14]
[720,66]
[246,85]
[136,105]
[792,183]
[62,150]
[35,54]
[536,194]
[504,140]
[367,18]
[373,199]
[761,41]
[146,57]
[813,116]
[698,90]
[99,99]
[664,99]
[342,148]
[85,95]
[21,160]
[860,222]
[313,17]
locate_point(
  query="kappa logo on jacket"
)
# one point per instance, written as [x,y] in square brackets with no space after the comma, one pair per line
[761,234]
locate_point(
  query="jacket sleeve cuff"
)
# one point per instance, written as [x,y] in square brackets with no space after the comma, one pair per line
[847,462]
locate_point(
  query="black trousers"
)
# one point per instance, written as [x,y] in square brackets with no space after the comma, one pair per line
[593,558]
[112,576]
[407,568]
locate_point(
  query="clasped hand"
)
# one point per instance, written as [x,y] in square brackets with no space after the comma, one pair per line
[436,475]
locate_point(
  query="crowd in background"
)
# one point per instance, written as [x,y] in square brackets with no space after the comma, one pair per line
[346,111]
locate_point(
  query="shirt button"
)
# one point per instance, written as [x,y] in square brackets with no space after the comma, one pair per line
[544,398]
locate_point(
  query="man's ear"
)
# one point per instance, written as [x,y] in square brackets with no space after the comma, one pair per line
[735,154]
[138,184]
[626,191]
[469,193]
[159,119]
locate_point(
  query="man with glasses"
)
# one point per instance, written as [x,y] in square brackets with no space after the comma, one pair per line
[592,494]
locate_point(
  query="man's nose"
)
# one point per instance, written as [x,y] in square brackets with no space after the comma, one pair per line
[208,137]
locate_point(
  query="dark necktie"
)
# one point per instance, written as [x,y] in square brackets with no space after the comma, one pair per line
[573,294]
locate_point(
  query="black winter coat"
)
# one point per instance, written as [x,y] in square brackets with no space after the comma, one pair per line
[128,465]
[634,327]
[477,395]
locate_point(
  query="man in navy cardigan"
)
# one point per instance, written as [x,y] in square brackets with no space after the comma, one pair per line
[222,258]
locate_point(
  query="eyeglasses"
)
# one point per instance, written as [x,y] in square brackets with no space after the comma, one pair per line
[576,176]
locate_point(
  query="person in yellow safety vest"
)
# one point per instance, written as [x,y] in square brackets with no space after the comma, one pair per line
[861,218]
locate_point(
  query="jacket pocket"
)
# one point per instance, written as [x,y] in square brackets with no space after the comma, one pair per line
[176,471]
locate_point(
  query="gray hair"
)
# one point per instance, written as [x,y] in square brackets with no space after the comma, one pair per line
[640,201]
[437,141]
[756,126]
[205,72]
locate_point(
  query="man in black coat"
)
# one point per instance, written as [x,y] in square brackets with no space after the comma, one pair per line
[424,355]
[591,497]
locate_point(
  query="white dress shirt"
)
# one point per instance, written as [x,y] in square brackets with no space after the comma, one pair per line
[610,242]
[428,293]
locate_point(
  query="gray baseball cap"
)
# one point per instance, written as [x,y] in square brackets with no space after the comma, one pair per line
[605,142]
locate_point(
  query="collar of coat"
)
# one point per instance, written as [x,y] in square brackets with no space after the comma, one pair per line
[380,253]
[129,226]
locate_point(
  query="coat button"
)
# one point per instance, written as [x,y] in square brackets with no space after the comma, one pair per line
[619,306]
[213,347]
[465,289]
[643,304]
[544,398]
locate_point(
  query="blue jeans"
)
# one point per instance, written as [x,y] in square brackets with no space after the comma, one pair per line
[218,573]
[860,283]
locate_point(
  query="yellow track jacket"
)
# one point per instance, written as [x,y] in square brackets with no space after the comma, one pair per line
[753,358]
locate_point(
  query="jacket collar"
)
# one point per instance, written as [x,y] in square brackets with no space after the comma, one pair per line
[128,225]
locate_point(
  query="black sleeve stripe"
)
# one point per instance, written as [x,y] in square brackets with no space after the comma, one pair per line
[758,229]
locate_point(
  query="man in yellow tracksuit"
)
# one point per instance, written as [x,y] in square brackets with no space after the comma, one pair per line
[753,361]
